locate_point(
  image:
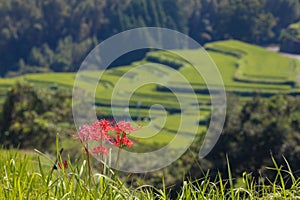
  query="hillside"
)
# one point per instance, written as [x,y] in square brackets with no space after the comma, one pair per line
[246,70]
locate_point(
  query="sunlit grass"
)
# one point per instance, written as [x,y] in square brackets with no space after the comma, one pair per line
[28,175]
[256,64]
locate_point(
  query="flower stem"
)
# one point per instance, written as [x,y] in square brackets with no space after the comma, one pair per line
[101,156]
[89,171]
[118,158]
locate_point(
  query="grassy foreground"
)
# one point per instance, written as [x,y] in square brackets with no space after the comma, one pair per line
[27,175]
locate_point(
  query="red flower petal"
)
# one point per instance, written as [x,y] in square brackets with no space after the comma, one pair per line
[99,150]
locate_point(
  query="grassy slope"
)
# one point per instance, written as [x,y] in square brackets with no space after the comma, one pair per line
[255,64]
[228,65]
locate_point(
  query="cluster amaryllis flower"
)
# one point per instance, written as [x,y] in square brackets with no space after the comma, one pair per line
[106,131]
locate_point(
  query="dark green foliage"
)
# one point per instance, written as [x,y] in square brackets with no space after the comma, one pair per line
[34,32]
[202,20]
[285,11]
[255,131]
[54,35]
[290,39]
[246,20]
[32,117]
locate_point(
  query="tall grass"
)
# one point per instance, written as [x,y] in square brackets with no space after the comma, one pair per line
[24,175]
[21,178]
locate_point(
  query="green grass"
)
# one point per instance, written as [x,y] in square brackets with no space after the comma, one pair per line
[24,176]
[255,64]
[28,175]
[265,71]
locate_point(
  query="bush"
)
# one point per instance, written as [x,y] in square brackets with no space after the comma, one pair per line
[256,130]
[31,116]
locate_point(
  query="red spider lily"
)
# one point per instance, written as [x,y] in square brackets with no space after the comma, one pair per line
[99,150]
[103,130]
[126,142]
[97,131]
[121,141]
[100,130]
[65,163]
[104,125]
[85,133]
[124,127]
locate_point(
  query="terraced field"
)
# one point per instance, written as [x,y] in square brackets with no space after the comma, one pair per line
[258,65]
[245,69]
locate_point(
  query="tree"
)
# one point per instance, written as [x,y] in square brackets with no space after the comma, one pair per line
[257,130]
[245,20]
[31,117]
[202,21]
[285,11]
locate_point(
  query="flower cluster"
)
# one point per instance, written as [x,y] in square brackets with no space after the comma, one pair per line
[106,131]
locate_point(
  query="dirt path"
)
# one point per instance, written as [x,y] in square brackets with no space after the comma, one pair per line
[289,55]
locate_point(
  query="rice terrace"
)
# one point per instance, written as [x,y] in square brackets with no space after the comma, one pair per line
[246,69]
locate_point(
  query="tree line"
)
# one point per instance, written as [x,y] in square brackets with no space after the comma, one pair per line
[54,35]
